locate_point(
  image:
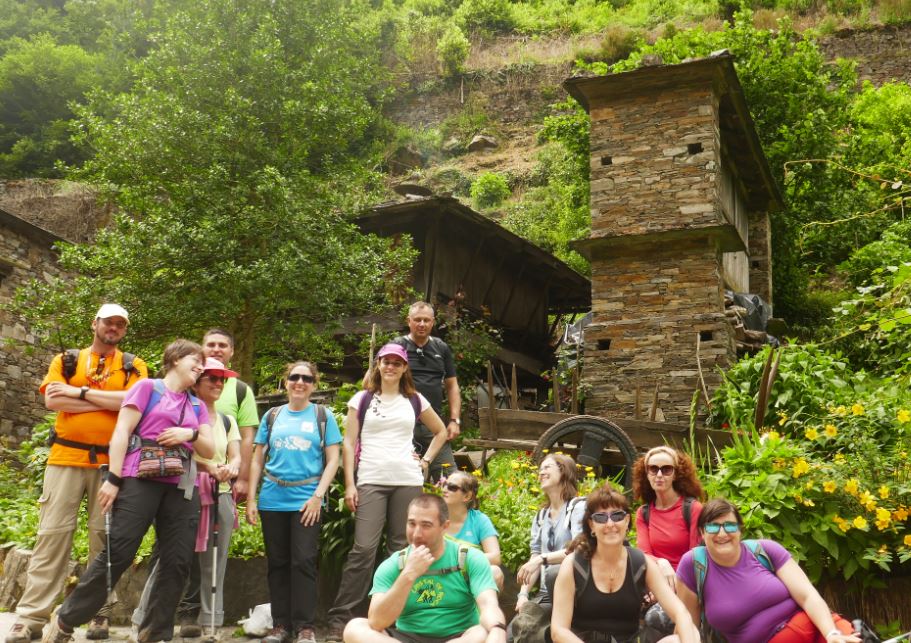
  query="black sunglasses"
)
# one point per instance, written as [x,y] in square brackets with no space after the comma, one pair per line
[665,469]
[300,377]
[454,487]
[602,517]
[215,379]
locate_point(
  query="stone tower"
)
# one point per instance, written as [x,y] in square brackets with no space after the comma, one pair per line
[680,191]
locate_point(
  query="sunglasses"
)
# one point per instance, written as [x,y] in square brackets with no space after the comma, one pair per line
[730,527]
[602,517]
[665,470]
[300,377]
[454,487]
[215,379]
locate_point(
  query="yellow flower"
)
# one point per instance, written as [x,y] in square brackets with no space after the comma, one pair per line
[809,503]
[860,522]
[884,492]
[907,540]
[839,457]
[782,419]
[840,410]
[535,490]
[811,433]
[831,431]
[865,498]
[851,487]
[773,436]
[590,474]
[809,486]
[545,450]
[446,464]
[477,473]
[829,487]
[883,515]
[843,524]
[900,514]
[903,415]
[857,408]
[801,467]
[589,469]
[514,465]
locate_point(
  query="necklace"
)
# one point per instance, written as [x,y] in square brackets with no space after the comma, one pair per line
[98,376]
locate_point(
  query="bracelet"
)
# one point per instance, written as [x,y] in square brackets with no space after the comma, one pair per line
[544,559]
[525,594]
[82,391]
[114,479]
[195,436]
[831,632]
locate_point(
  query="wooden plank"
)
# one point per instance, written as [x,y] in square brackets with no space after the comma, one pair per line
[514,391]
[519,425]
[491,404]
[556,384]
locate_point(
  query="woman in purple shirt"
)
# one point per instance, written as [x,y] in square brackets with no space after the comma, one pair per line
[746,601]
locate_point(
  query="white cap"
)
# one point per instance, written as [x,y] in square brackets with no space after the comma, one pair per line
[112,310]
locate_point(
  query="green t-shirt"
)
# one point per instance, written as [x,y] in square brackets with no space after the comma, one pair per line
[441,606]
[246,415]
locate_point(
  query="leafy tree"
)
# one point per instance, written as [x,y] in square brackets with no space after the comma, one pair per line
[244,140]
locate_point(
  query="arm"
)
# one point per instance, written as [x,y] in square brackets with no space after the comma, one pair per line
[491,548]
[386,607]
[243,486]
[127,420]
[60,396]
[564,598]
[691,602]
[643,540]
[233,465]
[491,616]
[805,595]
[349,445]
[672,605]
[454,397]
[311,509]
[432,421]
[256,470]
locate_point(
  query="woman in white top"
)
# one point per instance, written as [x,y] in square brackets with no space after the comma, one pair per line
[382,471]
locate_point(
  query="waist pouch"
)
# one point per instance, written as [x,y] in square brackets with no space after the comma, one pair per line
[157,461]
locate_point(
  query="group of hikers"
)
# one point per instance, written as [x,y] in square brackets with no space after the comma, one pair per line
[181,452]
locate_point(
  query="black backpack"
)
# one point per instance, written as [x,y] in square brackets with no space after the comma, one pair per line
[70,359]
[687,511]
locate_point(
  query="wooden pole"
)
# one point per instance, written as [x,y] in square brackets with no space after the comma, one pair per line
[653,412]
[556,382]
[491,403]
[514,391]
[372,344]
[574,398]
[636,413]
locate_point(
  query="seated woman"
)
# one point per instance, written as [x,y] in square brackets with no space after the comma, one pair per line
[468,524]
[664,480]
[601,583]
[781,605]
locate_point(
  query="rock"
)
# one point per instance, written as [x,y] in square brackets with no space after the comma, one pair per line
[453,147]
[482,142]
[12,583]
[405,159]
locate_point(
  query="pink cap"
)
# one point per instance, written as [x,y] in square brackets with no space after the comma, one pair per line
[393,349]
[214,366]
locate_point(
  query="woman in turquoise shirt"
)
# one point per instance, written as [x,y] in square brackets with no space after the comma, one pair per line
[467,523]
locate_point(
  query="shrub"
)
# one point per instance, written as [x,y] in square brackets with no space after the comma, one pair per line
[619,41]
[453,49]
[489,190]
[895,11]
[485,16]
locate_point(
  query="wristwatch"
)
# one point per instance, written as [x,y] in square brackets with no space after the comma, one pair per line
[82,391]
[195,436]
[456,420]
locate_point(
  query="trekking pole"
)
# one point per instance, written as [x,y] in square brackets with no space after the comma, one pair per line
[215,508]
[107,532]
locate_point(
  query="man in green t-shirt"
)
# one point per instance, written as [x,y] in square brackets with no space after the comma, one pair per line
[428,593]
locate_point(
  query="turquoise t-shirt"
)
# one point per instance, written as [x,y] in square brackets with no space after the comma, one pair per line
[476,528]
[441,606]
[294,454]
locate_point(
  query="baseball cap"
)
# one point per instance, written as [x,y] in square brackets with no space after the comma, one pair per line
[112,310]
[213,365]
[393,349]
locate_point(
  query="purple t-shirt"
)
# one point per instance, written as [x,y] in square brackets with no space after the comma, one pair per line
[165,415]
[747,602]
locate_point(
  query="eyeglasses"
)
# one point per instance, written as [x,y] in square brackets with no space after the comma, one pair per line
[730,527]
[454,487]
[300,377]
[602,517]
[420,353]
[665,470]
[215,379]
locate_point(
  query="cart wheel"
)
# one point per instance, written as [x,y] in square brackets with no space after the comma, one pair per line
[586,437]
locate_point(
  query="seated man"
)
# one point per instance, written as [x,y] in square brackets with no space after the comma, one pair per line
[433,590]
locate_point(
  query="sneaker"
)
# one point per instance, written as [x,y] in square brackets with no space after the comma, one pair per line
[56,633]
[97,629]
[334,635]
[22,633]
[305,635]
[190,631]
[277,634]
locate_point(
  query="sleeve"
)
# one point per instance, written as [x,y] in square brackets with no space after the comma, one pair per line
[386,575]
[333,435]
[260,437]
[695,512]
[685,571]
[575,518]
[54,373]
[424,403]
[246,412]
[777,554]
[142,372]
[643,541]
[535,543]
[479,573]
[233,431]
[139,394]
[448,362]
[203,417]
[485,526]
[355,400]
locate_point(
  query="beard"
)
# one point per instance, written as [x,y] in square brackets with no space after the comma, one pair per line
[105,340]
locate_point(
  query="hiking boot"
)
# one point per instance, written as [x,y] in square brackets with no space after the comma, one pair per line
[334,635]
[190,630]
[277,634]
[305,635]
[56,633]
[22,633]
[97,629]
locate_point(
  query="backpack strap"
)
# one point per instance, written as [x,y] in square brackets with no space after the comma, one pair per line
[240,392]
[70,360]
[415,400]
[362,407]
[321,424]
[700,567]
[582,569]
[569,510]
[688,511]
[128,368]
[460,566]
[640,566]
[271,414]
[759,553]
[647,512]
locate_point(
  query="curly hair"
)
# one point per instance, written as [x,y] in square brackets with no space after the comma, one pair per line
[685,481]
[604,498]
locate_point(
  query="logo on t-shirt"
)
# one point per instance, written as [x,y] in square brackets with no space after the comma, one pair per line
[428,591]
[307,426]
[293,443]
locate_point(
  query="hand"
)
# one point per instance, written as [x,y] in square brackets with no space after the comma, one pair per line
[425,469]
[222,473]
[310,511]
[521,600]
[668,572]
[528,570]
[252,511]
[174,436]
[452,430]
[240,489]
[496,635]
[107,494]
[351,498]
[843,638]
[419,561]
[62,389]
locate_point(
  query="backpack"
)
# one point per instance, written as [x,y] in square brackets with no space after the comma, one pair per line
[687,511]
[272,413]
[241,391]
[582,569]
[539,517]
[70,359]
[158,390]
[460,566]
